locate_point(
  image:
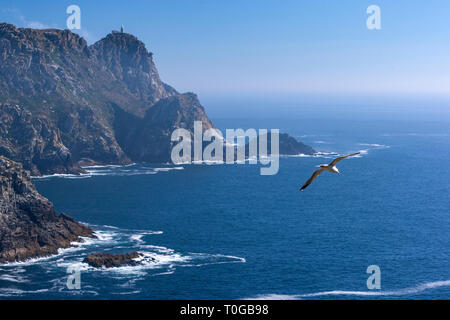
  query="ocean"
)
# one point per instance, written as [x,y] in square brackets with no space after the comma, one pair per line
[226,232]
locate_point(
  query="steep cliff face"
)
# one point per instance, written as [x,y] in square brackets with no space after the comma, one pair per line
[64,104]
[52,78]
[126,60]
[34,141]
[62,101]
[149,139]
[37,62]
[29,226]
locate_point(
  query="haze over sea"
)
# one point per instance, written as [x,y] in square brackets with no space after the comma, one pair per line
[226,232]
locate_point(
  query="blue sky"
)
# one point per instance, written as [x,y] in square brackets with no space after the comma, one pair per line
[254,47]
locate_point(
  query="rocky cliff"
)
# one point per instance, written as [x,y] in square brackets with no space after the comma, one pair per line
[62,101]
[148,139]
[64,104]
[29,226]
[126,60]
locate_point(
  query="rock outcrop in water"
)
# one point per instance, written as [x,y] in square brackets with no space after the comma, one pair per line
[109,260]
[288,146]
[64,104]
[29,225]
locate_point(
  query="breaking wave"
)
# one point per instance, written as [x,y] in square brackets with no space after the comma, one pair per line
[114,170]
[400,292]
[326,155]
[374,145]
[24,279]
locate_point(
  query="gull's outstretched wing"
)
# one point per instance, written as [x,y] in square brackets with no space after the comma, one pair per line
[313,177]
[333,163]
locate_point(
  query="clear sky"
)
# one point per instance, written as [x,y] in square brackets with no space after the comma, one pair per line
[277,46]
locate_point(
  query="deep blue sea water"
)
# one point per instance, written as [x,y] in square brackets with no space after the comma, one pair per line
[226,232]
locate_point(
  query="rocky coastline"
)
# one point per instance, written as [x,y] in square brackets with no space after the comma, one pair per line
[29,225]
[65,104]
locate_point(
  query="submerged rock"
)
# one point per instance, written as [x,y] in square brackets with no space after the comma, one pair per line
[109,260]
[29,225]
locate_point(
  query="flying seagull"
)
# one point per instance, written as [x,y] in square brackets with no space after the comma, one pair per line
[328,167]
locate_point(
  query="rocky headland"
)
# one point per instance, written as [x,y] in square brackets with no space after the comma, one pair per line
[65,104]
[29,225]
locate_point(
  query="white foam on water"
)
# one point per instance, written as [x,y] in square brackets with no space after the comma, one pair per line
[147,261]
[374,145]
[326,155]
[74,265]
[109,166]
[13,278]
[153,261]
[211,162]
[159,258]
[332,155]
[205,259]
[243,260]
[158,248]
[127,293]
[167,169]
[154,232]
[123,173]
[63,175]
[103,236]
[163,273]
[7,292]
[110,227]
[400,292]
[77,246]
[137,237]
[272,297]
[30,261]
[300,155]
[138,231]
[112,170]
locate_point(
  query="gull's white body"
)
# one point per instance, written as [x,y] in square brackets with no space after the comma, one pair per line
[326,167]
[332,169]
